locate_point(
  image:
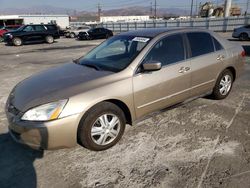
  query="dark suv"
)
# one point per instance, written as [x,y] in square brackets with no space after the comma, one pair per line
[32,33]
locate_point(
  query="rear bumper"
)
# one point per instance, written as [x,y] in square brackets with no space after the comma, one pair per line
[61,133]
[235,35]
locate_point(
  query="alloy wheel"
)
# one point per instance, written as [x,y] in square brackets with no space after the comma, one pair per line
[225,84]
[105,129]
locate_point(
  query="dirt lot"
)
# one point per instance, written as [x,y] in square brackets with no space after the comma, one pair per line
[202,143]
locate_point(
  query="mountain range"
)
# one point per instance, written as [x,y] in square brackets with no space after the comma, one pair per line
[126,11]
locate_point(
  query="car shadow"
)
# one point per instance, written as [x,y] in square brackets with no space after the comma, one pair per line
[16,164]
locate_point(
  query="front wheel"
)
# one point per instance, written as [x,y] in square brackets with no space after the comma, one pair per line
[223,85]
[49,39]
[17,41]
[102,127]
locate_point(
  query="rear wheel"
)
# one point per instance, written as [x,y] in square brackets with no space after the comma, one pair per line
[108,36]
[17,41]
[102,127]
[72,35]
[49,39]
[223,85]
[244,36]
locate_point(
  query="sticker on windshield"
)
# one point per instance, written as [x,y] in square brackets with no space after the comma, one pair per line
[140,39]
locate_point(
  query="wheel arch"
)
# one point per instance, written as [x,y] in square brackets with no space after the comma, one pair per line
[233,70]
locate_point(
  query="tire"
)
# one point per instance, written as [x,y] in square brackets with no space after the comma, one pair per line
[72,35]
[49,39]
[107,36]
[93,135]
[17,41]
[244,36]
[218,92]
[1,39]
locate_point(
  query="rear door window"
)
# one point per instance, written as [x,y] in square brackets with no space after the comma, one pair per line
[39,28]
[168,50]
[200,43]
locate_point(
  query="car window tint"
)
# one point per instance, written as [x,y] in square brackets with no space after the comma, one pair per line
[217,45]
[39,28]
[28,28]
[51,27]
[168,50]
[200,43]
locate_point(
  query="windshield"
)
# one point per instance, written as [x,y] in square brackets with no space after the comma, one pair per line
[21,28]
[115,54]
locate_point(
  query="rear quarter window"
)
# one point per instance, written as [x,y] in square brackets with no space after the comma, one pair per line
[200,43]
[51,27]
[217,45]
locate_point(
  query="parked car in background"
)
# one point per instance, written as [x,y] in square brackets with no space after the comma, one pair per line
[126,77]
[73,32]
[242,33]
[95,33]
[8,28]
[32,33]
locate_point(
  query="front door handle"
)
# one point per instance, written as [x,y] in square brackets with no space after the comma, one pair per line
[184,69]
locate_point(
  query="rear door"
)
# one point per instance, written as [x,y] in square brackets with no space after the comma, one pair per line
[168,86]
[39,33]
[207,57]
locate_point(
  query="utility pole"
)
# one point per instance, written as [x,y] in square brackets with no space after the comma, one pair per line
[151,9]
[247,7]
[191,11]
[155,10]
[228,4]
[99,11]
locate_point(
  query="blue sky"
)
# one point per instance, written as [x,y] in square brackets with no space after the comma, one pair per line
[106,4]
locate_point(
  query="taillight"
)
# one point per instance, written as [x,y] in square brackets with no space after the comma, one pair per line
[243,53]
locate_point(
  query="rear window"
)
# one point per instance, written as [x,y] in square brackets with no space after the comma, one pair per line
[200,43]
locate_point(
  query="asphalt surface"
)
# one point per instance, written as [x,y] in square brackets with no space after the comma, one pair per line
[201,143]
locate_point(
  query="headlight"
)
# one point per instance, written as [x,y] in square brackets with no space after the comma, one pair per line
[45,112]
[9,35]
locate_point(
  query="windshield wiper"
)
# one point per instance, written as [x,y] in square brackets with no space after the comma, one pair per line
[92,66]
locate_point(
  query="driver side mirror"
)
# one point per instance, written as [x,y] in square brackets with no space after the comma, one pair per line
[151,66]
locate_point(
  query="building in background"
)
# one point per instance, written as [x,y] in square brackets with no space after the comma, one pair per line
[106,19]
[60,20]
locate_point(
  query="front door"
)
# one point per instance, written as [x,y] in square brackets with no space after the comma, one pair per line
[168,86]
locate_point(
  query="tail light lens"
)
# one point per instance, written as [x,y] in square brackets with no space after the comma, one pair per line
[243,53]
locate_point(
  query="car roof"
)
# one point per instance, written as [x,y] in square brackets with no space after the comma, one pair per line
[153,32]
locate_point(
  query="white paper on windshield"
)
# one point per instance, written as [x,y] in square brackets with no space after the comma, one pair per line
[140,39]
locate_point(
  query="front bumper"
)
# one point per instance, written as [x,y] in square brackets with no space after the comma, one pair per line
[56,134]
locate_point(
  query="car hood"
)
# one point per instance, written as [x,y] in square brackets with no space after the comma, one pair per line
[56,84]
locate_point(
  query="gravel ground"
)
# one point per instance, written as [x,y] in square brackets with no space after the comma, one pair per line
[201,143]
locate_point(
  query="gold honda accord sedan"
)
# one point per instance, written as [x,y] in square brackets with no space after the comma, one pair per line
[90,100]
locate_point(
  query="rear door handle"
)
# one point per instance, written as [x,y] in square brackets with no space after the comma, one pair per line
[220,57]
